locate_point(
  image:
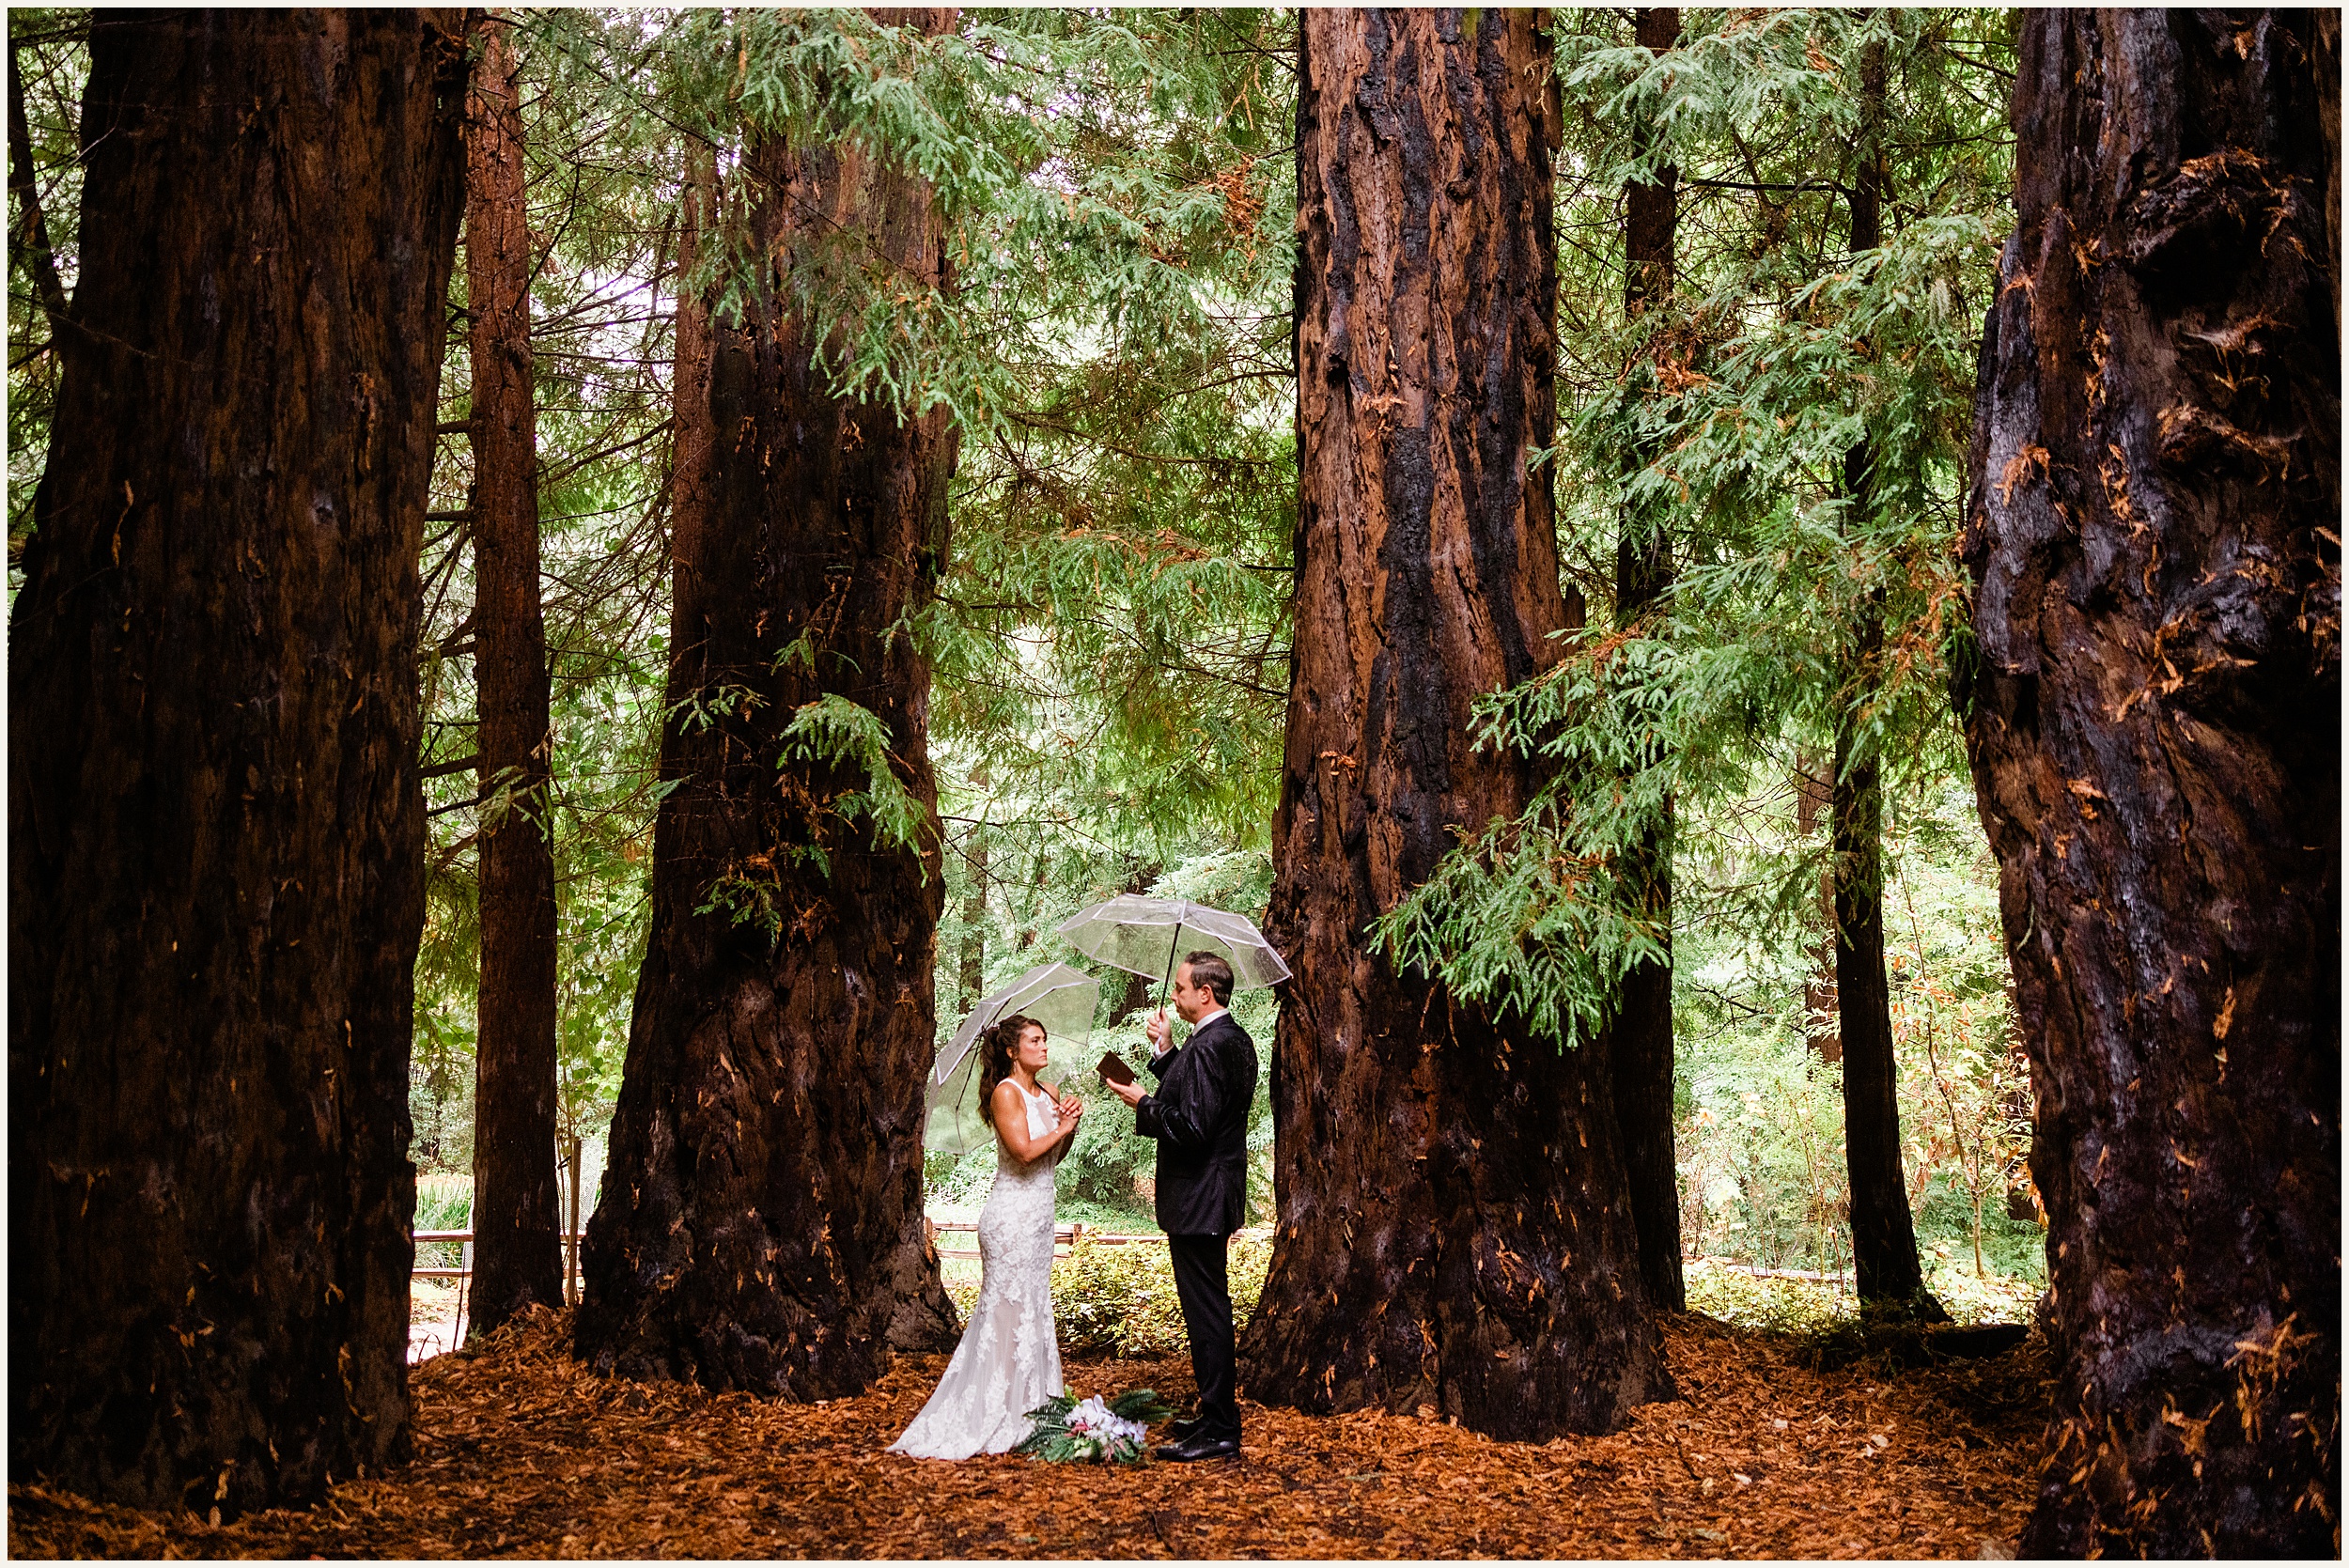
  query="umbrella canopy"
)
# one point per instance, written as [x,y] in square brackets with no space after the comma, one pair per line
[1061,998]
[1149,936]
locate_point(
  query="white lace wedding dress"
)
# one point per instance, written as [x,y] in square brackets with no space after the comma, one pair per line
[1008,1361]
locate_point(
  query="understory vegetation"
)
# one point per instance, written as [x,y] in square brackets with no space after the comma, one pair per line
[1119,1299]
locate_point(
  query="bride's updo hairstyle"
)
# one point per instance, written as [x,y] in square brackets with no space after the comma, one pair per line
[998,1045]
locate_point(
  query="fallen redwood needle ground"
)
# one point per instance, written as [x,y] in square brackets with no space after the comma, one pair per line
[522,1451]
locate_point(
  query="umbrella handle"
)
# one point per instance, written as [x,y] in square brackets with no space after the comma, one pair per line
[1174,944]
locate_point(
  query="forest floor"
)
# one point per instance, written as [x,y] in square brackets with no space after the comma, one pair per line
[522,1451]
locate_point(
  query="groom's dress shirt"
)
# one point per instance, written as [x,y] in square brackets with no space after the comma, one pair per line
[1172,1047]
[1199,1116]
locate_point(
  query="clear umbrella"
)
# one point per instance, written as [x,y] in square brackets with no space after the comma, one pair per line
[1149,936]
[1061,998]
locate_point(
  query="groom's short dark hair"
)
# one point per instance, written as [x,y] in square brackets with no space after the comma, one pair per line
[1209,969]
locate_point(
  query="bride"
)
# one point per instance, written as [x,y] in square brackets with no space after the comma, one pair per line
[1008,1361]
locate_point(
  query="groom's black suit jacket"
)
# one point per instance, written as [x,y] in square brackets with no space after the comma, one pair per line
[1199,1116]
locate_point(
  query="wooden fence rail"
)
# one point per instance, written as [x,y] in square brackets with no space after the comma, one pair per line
[1065,1238]
[1813,1276]
[463,1240]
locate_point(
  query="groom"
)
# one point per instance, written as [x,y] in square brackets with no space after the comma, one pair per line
[1198,1117]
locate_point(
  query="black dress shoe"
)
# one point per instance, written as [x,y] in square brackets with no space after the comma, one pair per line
[1200,1446]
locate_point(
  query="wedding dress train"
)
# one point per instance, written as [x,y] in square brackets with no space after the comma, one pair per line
[1008,1361]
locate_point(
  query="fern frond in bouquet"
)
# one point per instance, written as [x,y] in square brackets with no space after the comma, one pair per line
[1142,1405]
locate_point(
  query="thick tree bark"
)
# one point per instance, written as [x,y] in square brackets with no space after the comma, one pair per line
[216,829]
[1639,1038]
[1454,1227]
[1883,1233]
[516,1209]
[2153,726]
[761,1222]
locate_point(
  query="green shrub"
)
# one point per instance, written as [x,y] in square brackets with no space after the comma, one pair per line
[1814,1307]
[1120,1301]
[1996,1297]
[1734,1296]
[1116,1301]
[444,1202]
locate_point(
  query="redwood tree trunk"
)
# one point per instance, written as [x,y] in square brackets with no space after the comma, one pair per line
[1140,988]
[1815,797]
[515,1210]
[971,972]
[216,829]
[1454,1229]
[761,1222]
[1883,1233]
[1640,1036]
[2153,726]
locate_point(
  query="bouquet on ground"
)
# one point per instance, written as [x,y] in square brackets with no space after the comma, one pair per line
[1110,1433]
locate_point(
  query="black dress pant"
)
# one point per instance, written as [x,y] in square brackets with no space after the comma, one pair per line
[1202,1284]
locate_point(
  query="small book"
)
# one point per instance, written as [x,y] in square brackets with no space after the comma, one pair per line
[1114,1069]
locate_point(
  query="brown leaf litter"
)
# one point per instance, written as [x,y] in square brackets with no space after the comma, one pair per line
[522,1451]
